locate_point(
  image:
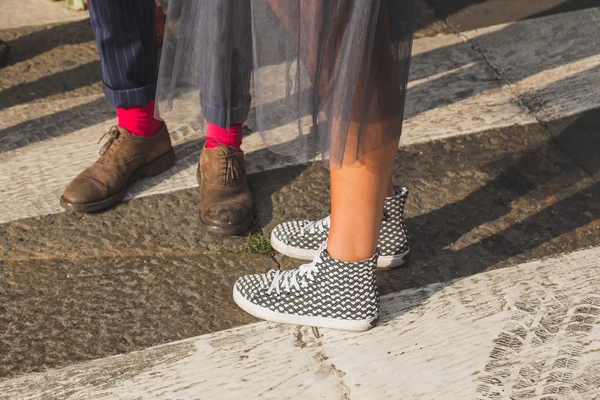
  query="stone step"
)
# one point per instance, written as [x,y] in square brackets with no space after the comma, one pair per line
[530,331]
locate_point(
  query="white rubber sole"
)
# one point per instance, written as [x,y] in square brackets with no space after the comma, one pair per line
[383,262]
[320,322]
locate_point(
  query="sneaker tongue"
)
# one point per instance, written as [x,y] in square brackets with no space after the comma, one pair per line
[316,224]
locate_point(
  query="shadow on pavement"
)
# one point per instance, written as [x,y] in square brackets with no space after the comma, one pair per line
[475,234]
[567,6]
[55,125]
[60,82]
[41,41]
[431,93]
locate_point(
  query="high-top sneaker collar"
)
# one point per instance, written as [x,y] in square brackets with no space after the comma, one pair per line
[301,239]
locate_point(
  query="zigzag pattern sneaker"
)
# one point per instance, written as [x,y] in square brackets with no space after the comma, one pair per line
[326,293]
[302,239]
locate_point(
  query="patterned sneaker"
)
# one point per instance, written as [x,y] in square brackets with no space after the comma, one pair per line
[326,293]
[302,239]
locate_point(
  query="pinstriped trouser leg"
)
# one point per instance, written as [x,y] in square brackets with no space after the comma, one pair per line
[125,31]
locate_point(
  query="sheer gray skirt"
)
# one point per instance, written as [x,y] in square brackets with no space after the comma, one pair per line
[312,77]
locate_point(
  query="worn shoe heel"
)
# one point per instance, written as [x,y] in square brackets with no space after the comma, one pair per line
[160,165]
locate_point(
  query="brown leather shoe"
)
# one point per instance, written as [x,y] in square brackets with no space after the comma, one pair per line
[124,158]
[225,200]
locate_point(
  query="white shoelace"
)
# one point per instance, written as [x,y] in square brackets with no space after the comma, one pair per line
[292,279]
[320,225]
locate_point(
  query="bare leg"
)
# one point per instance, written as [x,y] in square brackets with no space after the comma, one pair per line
[359,189]
[359,182]
[357,196]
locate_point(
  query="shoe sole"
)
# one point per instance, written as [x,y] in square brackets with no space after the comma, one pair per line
[229,230]
[320,322]
[158,166]
[383,262]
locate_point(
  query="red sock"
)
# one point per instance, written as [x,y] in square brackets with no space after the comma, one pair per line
[139,120]
[216,135]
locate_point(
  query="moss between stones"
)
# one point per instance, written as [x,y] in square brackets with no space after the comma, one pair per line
[256,243]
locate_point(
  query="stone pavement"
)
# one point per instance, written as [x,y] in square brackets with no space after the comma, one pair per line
[500,155]
[528,332]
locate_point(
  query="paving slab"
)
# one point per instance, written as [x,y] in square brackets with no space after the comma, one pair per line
[49,62]
[550,62]
[530,331]
[61,311]
[22,13]
[464,15]
[147,226]
[23,125]
[453,91]
[578,137]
